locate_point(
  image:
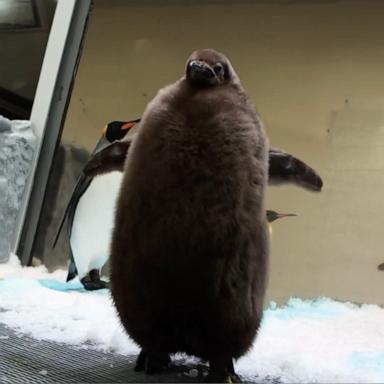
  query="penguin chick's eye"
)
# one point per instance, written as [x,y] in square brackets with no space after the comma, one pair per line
[218,68]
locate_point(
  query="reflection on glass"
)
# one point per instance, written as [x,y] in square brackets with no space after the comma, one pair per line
[24,30]
[18,14]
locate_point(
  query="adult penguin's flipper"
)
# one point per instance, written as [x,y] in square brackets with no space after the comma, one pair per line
[111,158]
[68,216]
[81,186]
[287,169]
[72,270]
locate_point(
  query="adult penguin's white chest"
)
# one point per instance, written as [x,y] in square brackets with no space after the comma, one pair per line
[93,223]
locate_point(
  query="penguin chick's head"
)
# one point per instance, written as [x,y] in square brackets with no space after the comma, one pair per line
[116,130]
[207,68]
[273,215]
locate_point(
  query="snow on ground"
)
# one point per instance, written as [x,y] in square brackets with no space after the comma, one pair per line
[305,341]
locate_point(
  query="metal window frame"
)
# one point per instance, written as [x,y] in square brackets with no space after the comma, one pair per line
[48,113]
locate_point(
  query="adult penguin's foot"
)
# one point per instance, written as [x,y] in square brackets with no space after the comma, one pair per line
[151,362]
[92,281]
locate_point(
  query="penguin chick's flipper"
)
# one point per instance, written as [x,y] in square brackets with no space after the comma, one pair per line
[285,168]
[222,372]
[151,362]
[380,267]
[92,281]
[109,159]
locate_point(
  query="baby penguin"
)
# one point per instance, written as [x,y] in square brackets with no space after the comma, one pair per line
[190,245]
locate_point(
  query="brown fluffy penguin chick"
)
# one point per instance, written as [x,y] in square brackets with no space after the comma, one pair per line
[190,244]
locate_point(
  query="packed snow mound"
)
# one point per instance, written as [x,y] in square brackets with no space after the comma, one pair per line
[321,341]
[17,148]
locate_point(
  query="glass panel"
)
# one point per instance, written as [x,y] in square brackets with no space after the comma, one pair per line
[18,14]
[24,30]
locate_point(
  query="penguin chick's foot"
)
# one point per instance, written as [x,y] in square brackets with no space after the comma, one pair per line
[151,362]
[92,281]
[226,378]
[221,372]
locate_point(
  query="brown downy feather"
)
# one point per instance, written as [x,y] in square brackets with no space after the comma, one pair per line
[190,247]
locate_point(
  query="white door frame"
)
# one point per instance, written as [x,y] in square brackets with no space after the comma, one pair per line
[48,112]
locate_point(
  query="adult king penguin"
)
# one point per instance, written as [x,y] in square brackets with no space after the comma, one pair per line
[190,245]
[89,215]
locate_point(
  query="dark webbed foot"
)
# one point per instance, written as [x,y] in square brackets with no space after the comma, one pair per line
[234,377]
[222,371]
[92,281]
[222,378]
[151,362]
[90,285]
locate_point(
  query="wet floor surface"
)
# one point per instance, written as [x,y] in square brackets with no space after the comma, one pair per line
[26,360]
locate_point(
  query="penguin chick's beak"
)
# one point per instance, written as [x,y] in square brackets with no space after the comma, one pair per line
[200,73]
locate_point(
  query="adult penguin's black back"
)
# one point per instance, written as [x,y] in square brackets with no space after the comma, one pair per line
[190,245]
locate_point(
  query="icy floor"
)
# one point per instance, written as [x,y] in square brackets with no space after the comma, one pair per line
[305,341]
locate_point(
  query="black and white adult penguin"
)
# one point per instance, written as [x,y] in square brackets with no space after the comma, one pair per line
[190,246]
[89,215]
